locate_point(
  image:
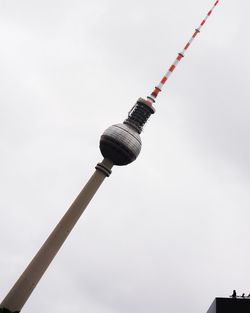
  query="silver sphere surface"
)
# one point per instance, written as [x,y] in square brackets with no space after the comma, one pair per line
[121,144]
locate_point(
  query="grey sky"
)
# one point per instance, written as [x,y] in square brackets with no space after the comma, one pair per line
[167,233]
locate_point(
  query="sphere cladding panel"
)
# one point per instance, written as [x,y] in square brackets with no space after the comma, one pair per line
[121,144]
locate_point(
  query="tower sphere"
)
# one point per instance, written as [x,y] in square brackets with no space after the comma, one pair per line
[121,144]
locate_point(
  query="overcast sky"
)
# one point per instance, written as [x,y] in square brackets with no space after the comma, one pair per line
[169,232]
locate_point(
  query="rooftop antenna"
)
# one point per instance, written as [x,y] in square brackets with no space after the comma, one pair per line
[120,144]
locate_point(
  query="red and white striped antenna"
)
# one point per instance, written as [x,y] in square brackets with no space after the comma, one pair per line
[158,88]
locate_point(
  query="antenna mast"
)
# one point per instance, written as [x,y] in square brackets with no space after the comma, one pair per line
[179,57]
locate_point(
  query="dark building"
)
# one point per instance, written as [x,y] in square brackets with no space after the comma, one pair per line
[230,305]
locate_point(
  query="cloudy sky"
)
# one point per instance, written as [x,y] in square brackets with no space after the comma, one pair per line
[167,233]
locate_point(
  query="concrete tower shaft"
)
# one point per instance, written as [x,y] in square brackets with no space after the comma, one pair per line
[120,145]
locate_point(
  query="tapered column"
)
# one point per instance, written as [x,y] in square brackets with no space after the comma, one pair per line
[120,144]
[20,292]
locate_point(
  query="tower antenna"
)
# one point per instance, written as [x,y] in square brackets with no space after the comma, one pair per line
[179,57]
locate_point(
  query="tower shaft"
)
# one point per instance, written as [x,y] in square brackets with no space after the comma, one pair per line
[20,292]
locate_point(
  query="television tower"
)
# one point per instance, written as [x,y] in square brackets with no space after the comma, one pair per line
[120,144]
